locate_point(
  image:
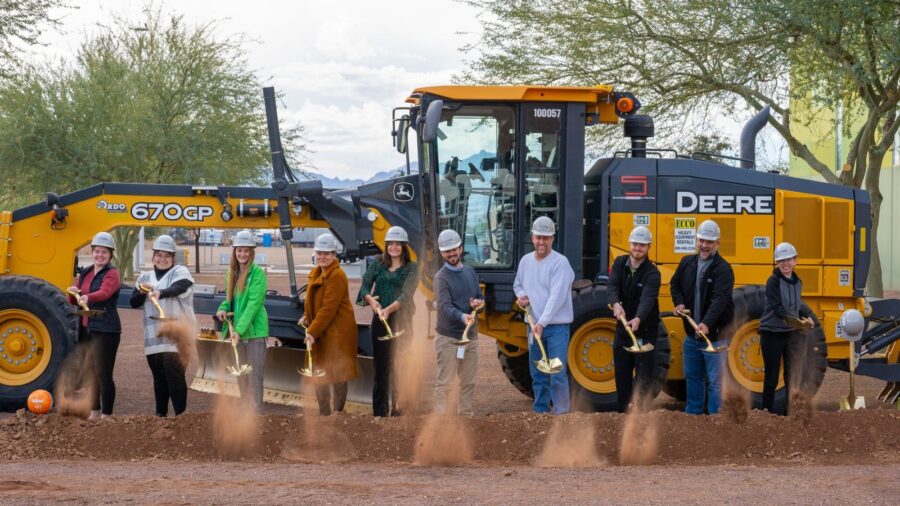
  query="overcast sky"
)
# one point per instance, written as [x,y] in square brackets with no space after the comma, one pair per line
[343,65]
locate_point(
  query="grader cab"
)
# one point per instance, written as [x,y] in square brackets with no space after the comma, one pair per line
[491,160]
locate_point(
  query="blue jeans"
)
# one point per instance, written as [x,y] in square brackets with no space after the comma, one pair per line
[550,388]
[702,374]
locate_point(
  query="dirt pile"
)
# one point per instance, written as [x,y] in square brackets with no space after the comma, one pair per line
[871,437]
[443,440]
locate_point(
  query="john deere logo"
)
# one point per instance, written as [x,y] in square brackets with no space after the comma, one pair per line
[403,192]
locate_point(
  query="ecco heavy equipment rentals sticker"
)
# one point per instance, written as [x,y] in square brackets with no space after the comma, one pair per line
[685,234]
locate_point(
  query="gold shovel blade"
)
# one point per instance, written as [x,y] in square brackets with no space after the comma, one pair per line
[239,371]
[549,366]
[311,373]
[639,349]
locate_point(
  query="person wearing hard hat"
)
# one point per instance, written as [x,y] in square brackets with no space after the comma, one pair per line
[245,308]
[388,287]
[330,325]
[457,295]
[778,339]
[632,291]
[544,282]
[702,284]
[171,286]
[98,287]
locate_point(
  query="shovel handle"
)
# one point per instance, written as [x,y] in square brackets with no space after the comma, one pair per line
[628,330]
[159,309]
[686,314]
[77,295]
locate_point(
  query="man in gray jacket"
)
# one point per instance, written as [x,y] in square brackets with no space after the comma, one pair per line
[457,294]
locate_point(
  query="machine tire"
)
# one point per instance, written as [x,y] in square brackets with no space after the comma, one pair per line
[515,368]
[749,304]
[36,307]
[590,304]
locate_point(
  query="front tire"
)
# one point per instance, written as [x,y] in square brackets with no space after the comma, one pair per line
[38,328]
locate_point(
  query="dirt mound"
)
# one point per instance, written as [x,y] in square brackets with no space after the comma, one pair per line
[871,436]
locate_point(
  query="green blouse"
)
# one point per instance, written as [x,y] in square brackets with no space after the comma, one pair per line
[399,285]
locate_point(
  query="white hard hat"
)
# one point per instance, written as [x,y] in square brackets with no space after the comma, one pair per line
[641,235]
[852,325]
[164,243]
[104,239]
[327,242]
[448,239]
[784,251]
[243,238]
[708,231]
[543,226]
[396,234]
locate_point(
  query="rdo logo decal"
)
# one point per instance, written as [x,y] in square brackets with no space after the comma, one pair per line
[111,207]
[152,211]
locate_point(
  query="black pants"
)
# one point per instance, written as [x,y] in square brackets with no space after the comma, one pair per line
[778,346]
[384,391]
[168,382]
[633,370]
[102,347]
[323,395]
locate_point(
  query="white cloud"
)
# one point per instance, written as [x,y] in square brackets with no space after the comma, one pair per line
[341,65]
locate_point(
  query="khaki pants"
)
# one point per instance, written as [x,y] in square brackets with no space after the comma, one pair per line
[449,366]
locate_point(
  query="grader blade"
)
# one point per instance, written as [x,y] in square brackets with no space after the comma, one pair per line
[282,383]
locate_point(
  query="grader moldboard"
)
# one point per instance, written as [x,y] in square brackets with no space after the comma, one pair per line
[491,159]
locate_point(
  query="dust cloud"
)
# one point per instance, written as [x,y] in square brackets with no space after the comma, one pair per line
[640,437]
[444,440]
[235,424]
[570,443]
[183,334]
[76,385]
[736,400]
[319,441]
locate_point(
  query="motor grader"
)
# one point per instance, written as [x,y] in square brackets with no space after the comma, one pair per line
[491,159]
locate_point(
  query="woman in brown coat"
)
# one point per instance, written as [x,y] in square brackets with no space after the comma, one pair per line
[331,324]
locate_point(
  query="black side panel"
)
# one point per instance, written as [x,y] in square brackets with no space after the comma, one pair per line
[862,213]
[633,186]
[572,211]
[399,201]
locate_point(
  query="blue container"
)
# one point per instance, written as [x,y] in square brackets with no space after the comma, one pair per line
[267,239]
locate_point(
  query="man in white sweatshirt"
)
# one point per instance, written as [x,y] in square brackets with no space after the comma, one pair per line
[544,282]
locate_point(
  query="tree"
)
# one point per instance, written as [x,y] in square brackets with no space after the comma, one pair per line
[21,23]
[169,103]
[690,57]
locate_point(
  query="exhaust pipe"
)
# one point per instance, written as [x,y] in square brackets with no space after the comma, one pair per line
[639,127]
[748,138]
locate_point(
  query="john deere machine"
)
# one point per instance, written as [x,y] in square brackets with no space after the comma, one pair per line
[491,160]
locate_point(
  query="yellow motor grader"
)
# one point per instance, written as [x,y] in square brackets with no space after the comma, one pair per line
[491,159]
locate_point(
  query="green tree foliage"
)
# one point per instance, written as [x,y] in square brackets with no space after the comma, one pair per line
[21,24]
[166,103]
[684,57]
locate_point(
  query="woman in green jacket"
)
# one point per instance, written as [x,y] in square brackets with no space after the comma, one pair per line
[388,287]
[245,297]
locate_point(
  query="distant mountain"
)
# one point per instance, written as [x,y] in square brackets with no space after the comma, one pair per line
[336,182]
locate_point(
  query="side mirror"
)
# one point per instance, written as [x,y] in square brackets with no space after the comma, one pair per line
[402,134]
[432,118]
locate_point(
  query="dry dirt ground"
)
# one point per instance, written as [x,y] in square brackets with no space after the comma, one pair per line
[505,454]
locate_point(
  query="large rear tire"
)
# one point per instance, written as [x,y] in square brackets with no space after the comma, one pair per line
[38,329]
[745,363]
[514,363]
